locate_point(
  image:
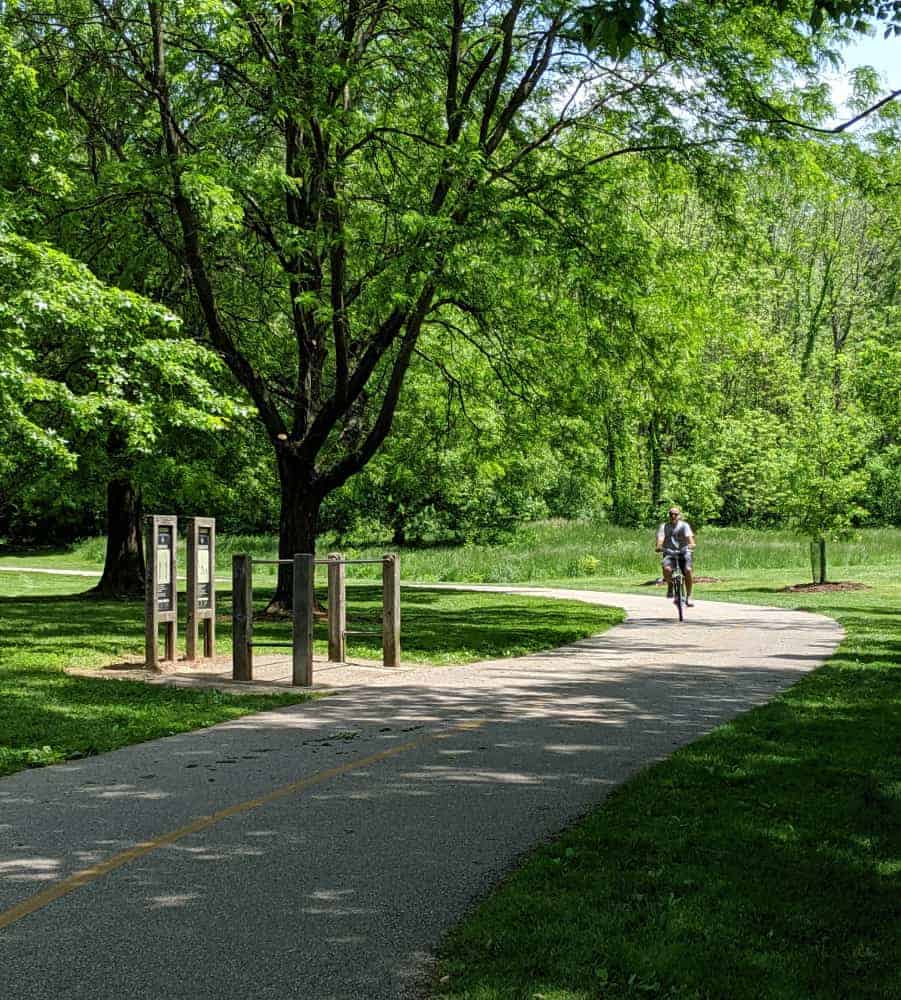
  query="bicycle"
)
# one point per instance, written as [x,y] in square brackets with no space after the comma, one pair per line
[678,585]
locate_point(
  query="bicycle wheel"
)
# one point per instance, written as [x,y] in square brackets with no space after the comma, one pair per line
[678,599]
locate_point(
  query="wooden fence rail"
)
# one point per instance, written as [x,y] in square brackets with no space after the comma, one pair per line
[304,572]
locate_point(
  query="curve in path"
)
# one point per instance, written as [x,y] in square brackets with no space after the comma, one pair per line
[321,851]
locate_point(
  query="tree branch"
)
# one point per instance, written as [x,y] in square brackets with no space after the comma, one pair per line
[838,128]
[219,337]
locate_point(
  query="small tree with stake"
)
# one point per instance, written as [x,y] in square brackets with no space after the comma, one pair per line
[824,480]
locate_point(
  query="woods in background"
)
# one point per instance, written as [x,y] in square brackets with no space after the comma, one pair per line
[431,270]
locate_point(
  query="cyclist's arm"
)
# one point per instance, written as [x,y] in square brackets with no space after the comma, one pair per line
[658,545]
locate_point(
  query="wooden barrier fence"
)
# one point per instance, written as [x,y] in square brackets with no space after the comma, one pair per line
[304,571]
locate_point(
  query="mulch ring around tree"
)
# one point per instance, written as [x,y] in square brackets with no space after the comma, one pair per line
[822,588]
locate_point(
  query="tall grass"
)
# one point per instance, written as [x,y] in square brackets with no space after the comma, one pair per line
[558,550]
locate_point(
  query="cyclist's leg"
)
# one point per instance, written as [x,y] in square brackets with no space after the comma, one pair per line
[668,575]
[687,573]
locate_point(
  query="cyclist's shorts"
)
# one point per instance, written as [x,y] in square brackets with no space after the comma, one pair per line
[669,560]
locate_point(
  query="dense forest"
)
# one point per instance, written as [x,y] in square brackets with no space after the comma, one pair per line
[431,269]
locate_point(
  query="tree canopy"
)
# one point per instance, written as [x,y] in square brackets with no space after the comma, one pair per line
[566,251]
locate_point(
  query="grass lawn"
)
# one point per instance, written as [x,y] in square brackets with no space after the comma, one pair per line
[47,716]
[763,861]
[548,550]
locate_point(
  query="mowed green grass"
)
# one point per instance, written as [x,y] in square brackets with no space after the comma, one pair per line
[47,716]
[46,625]
[763,861]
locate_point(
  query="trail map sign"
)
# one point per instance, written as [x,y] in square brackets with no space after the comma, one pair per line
[201,586]
[164,543]
[203,568]
[161,593]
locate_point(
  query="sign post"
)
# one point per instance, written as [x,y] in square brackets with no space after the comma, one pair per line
[201,586]
[161,594]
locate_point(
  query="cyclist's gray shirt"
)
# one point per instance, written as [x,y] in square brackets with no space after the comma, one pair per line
[675,536]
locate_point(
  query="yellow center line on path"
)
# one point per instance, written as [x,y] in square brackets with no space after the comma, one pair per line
[95,872]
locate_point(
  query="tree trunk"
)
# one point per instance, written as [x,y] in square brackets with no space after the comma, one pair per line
[656,467]
[614,472]
[298,523]
[123,568]
[822,560]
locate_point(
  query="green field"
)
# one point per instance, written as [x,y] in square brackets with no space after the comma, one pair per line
[562,550]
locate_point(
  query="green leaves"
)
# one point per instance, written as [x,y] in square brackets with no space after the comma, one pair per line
[614,27]
[856,15]
[79,358]
[216,204]
[825,481]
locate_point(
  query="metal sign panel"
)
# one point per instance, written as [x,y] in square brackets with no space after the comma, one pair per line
[204,569]
[164,581]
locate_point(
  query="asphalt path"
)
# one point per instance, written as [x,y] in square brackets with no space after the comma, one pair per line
[321,851]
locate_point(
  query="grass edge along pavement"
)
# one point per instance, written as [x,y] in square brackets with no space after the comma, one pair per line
[48,716]
[761,861]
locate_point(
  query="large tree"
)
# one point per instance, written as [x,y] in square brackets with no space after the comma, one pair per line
[326,172]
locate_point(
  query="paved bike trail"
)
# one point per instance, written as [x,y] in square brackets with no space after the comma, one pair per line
[321,851]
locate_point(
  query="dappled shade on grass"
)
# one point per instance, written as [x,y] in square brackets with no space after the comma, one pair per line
[47,716]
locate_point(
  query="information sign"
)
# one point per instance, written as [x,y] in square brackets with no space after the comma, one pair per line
[164,568]
[204,575]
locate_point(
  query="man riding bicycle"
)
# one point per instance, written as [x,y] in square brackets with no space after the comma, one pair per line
[675,540]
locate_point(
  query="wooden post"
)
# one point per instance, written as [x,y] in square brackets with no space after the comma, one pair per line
[304,603]
[160,588]
[201,586]
[209,635]
[337,609]
[242,618]
[391,611]
[151,626]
